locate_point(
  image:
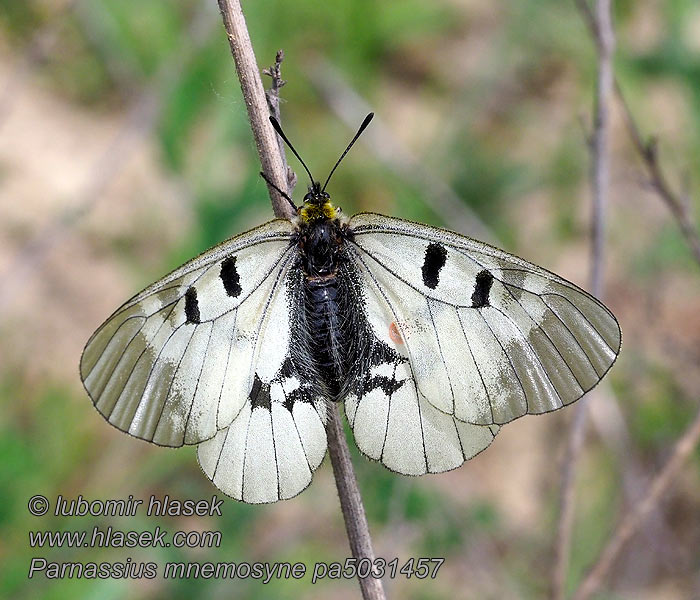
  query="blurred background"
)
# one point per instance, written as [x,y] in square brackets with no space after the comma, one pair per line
[125,150]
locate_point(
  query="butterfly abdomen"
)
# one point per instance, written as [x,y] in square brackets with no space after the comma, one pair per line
[327,336]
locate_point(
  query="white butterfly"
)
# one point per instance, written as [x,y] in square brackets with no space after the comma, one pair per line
[432,340]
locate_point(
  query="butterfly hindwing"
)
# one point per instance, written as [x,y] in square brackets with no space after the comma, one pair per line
[489,336]
[449,338]
[175,364]
[278,439]
[274,445]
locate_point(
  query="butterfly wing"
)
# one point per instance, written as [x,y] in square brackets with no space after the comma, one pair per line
[278,439]
[274,445]
[177,362]
[489,337]
[389,415]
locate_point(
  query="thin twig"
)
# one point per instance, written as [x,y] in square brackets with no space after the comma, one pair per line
[609,422]
[273,104]
[269,152]
[567,501]
[638,512]
[648,150]
[601,150]
[351,502]
[635,516]
[601,23]
[256,103]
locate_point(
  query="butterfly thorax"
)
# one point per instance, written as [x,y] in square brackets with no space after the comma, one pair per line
[321,231]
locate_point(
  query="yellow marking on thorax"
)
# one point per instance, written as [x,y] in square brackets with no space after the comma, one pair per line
[313,212]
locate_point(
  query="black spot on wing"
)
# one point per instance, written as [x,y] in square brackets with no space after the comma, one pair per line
[191,306]
[482,289]
[435,257]
[381,354]
[259,395]
[229,277]
[386,384]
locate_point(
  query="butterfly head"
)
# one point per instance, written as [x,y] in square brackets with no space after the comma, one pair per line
[317,206]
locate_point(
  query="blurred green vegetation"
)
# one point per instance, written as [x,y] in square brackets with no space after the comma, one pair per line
[401,55]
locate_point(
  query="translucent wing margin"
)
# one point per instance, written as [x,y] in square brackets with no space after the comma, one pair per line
[489,336]
[176,363]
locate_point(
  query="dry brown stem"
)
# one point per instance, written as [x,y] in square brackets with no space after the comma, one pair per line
[638,512]
[648,151]
[273,103]
[635,515]
[256,103]
[351,502]
[604,35]
[274,167]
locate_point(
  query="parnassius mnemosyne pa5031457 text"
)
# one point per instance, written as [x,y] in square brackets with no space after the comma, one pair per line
[431,339]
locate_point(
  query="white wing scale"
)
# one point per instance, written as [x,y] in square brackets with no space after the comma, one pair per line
[267,453]
[202,356]
[278,438]
[467,338]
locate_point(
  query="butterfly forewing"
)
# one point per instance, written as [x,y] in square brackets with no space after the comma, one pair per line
[489,336]
[157,368]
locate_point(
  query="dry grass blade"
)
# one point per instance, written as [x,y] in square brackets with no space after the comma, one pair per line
[637,513]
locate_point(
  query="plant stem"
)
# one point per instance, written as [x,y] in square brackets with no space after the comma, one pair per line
[256,103]
[273,166]
[351,502]
[601,24]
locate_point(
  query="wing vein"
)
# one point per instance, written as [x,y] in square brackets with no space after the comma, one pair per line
[548,337]
[196,387]
[150,371]
[505,353]
[476,364]
[544,369]
[442,357]
[131,372]
[172,380]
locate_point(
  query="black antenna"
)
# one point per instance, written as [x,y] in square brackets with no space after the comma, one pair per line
[368,118]
[279,191]
[278,129]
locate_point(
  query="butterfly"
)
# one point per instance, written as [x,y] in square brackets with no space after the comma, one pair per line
[432,340]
